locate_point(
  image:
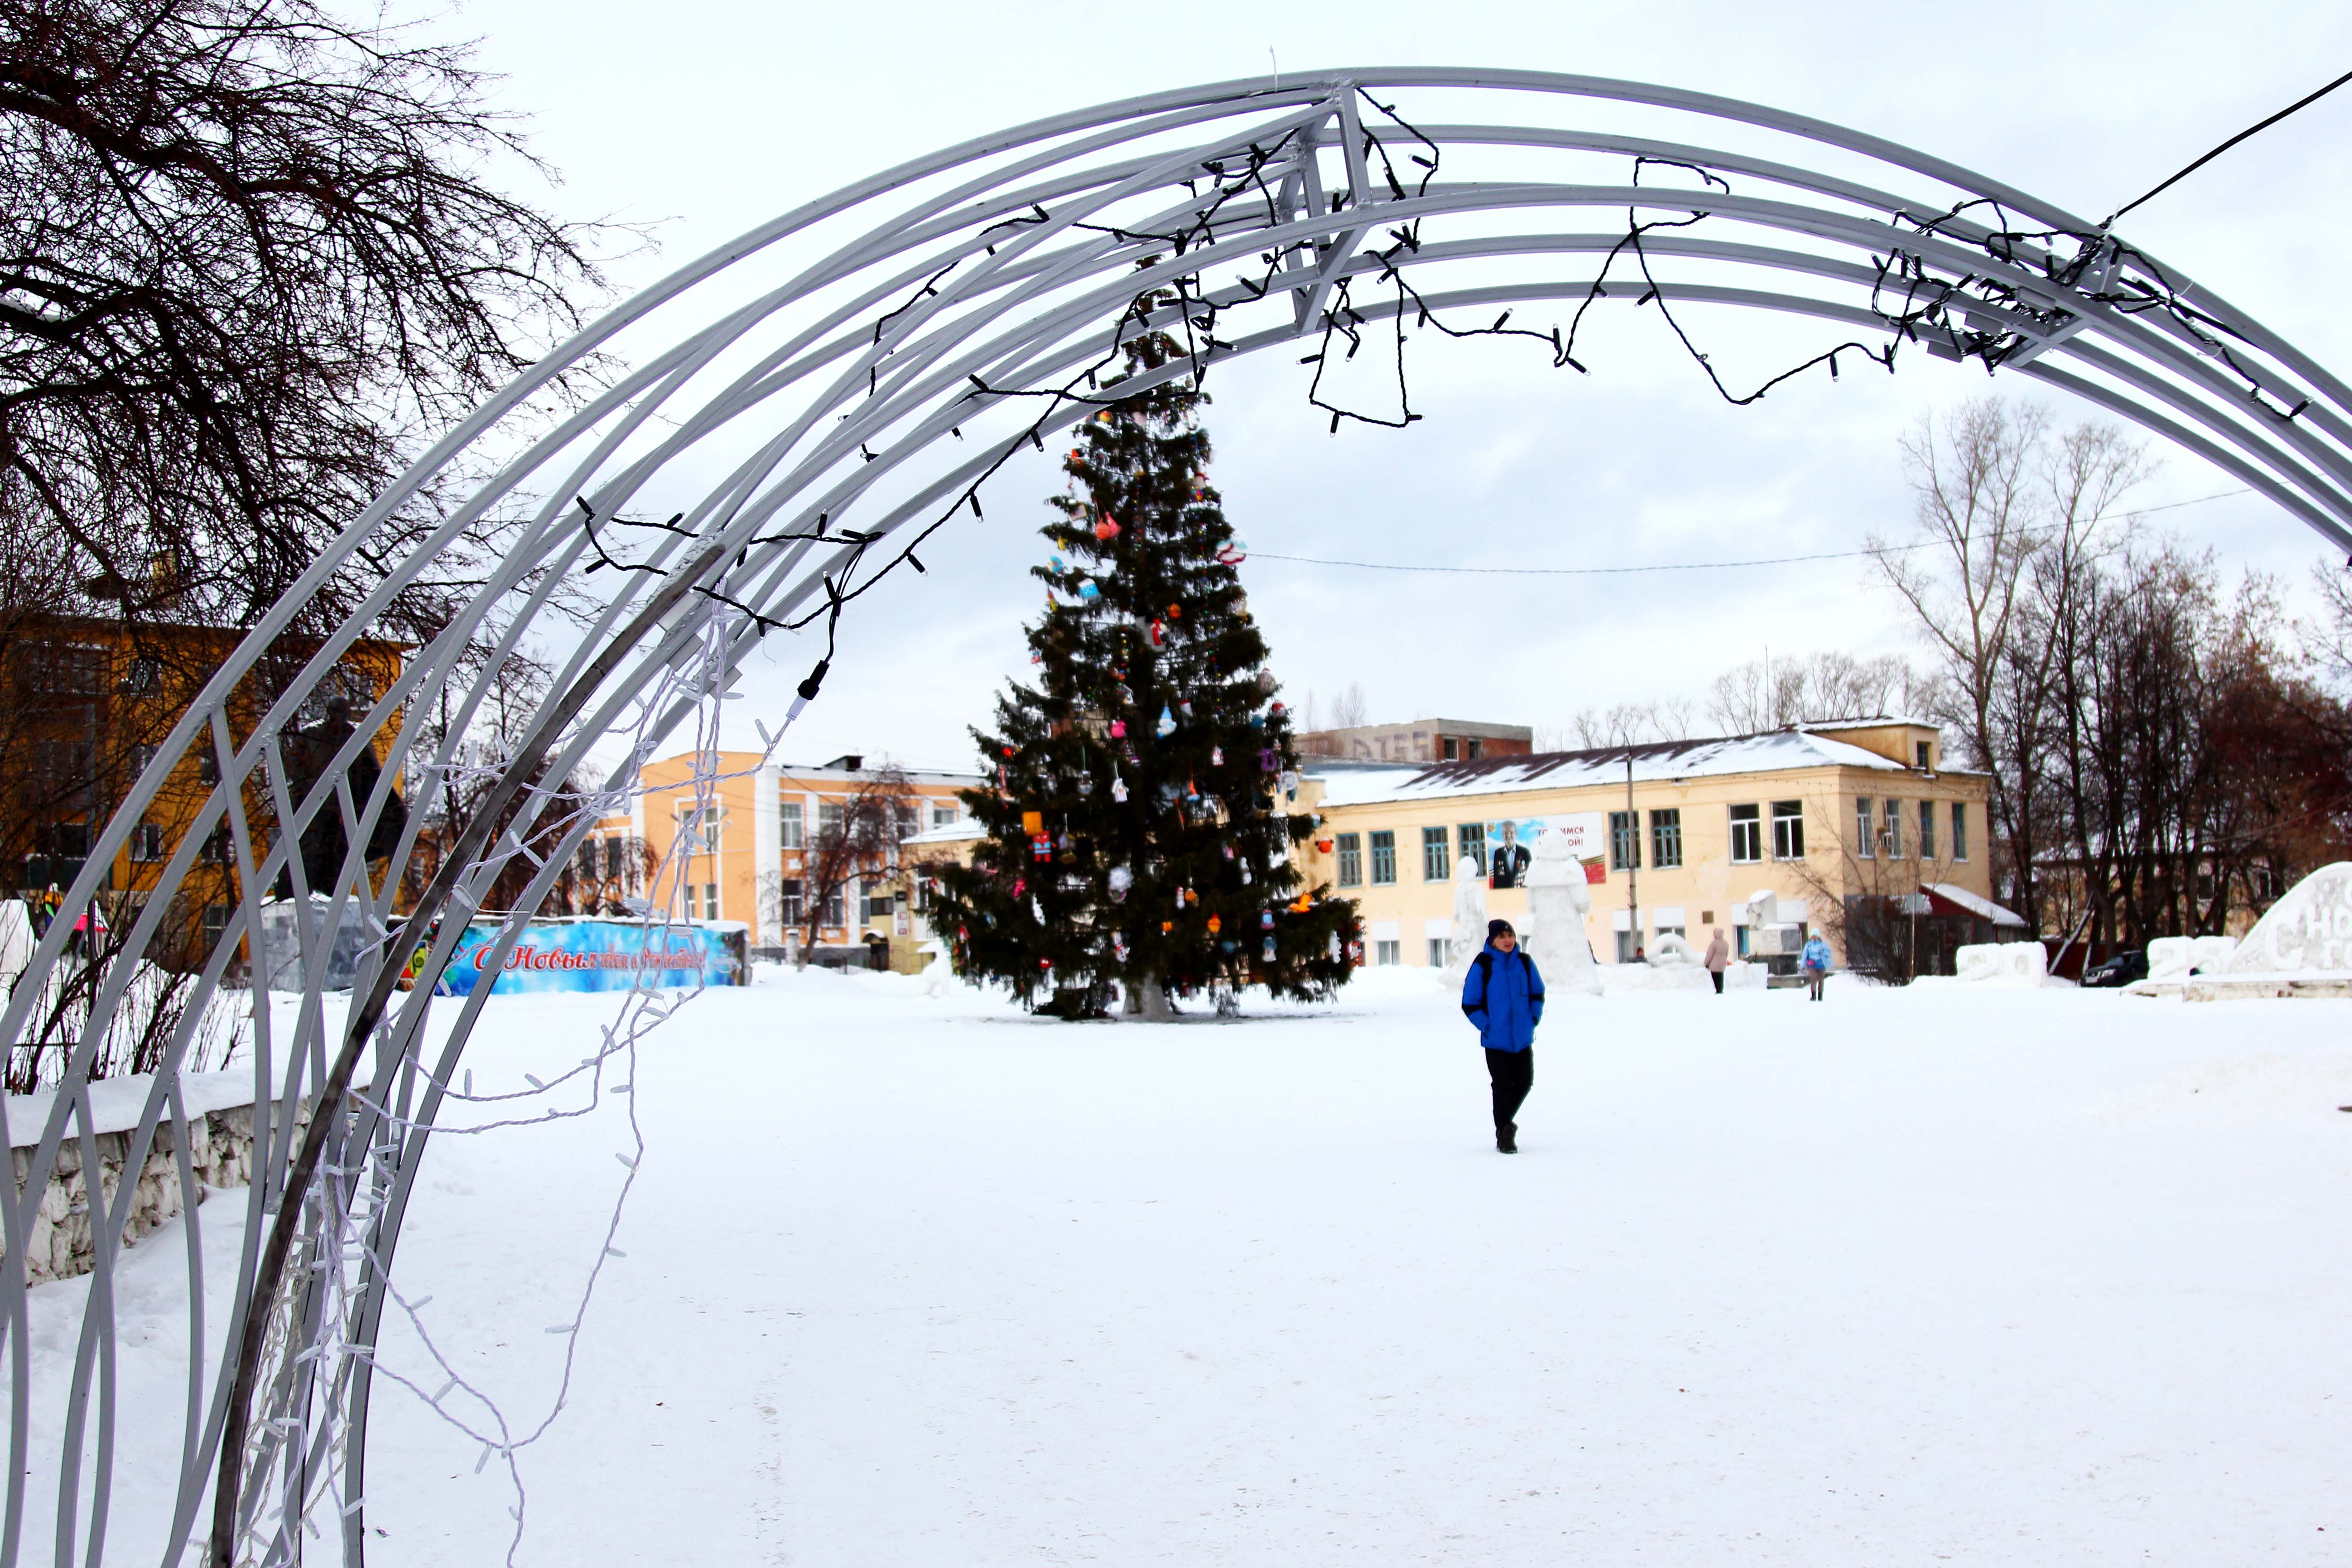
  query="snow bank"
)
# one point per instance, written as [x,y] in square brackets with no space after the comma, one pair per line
[2019,963]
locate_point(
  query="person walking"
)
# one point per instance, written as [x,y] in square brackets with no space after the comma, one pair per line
[1815,961]
[1504,995]
[1718,958]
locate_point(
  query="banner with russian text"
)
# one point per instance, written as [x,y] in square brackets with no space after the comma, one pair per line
[583,955]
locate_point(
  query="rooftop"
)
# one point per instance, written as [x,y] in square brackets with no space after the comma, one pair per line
[1364,783]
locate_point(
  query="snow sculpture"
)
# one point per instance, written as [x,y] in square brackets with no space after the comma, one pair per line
[2000,964]
[1469,915]
[1671,952]
[2171,958]
[15,941]
[2308,931]
[936,976]
[1558,901]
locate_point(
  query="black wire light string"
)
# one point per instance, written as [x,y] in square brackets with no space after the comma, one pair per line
[2259,125]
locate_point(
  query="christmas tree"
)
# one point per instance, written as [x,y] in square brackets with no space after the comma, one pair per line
[1136,833]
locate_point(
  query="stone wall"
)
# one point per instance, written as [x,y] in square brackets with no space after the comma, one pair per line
[64,1240]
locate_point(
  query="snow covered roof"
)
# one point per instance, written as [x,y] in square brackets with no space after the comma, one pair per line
[1779,750]
[1976,903]
[961,830]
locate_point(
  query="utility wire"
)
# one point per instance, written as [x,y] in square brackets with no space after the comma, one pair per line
[2225,146]
[1672,566]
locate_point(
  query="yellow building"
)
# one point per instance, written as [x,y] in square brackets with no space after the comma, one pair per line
[748,857]
[1855,829]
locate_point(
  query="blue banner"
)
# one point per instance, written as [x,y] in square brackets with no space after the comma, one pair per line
[583,954]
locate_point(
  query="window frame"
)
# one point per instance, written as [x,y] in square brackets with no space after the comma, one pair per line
[1437,946]
[1866,828]
[1667,838]
[1382,843]
[1960,832]
[1437,864]
[1753,825]
[147,843]
[1926,830]
[1624,833]
[1471,837]
[1349,850]
[792,825]
[1890,827]
[1788,831]
[1388,953]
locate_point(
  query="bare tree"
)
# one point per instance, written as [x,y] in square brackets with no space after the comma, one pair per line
[250,258]
[2007,514]
[1757,695]
[1349,709]
[1627,724]
[860,842]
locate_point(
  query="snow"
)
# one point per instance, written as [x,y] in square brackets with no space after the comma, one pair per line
[1963,1274]
[1359,784]
[1976,903]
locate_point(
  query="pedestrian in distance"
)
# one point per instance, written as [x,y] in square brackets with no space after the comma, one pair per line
[1504,995]
[1718,958]
[1815,962]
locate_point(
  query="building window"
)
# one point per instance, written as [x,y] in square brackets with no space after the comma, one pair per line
[219,848]
[795,907]
[1667,838]
[1891,827]
[1446,747]
[878,906]
[1627,941]
[794,829]
[828,818]
[1471,837]
[1384,857]
[1959,830]
[1787,830]
[1433,855]
[142,674]
[1866,829]
[1927,831]
[1473,749]
[147,842]
[1352,860]
[832,915]
[943,816]
[1747,835]
[700,830]
[1388,953]
[710,901]
[1920,747]
[1437,952]
[215,924]
[1625,841]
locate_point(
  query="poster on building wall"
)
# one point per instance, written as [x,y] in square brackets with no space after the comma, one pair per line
[603,956]
[1510,843]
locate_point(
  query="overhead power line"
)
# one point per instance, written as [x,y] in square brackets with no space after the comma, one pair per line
[1669,566]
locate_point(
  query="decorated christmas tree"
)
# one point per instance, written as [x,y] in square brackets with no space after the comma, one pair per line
[1137,831]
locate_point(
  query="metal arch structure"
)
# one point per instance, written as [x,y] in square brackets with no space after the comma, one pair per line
[811,401]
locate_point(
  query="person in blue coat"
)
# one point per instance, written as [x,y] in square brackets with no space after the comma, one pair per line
[1504,996]
[1815,962]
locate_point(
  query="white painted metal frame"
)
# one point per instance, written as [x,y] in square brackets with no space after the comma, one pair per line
[864,362]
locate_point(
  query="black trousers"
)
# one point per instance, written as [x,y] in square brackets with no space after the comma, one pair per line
[1718,980]
[1513,1073]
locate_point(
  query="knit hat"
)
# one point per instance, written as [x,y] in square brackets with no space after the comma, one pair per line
[1496,927]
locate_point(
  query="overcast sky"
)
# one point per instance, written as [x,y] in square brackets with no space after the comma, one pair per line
[704,118]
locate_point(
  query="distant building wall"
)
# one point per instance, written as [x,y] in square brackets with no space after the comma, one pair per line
[1420,740]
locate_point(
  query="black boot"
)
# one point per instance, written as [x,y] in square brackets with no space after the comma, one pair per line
[1507,1140]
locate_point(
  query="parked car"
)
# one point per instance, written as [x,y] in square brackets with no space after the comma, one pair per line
[2120,970]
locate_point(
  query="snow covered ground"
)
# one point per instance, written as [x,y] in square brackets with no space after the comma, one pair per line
[1971,1276]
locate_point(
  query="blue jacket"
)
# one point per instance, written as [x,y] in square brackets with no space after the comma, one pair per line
[1504,996]
[1816,954]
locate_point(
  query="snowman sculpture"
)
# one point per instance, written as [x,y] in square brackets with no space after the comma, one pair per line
[1557,900]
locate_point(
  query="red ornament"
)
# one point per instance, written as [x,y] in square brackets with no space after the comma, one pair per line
[1108,528]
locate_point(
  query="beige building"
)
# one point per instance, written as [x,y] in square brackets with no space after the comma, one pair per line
[1849,827]
[741,853]
[1419,740]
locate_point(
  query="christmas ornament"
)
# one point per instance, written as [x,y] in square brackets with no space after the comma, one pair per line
[1044,963]
[1185,708]
[1270,760]
[1175,612]
[1234,553]
[1085,783]
[1267,953]
[1107,529]
[1088,593]
[1215,924]
[1041,847]
[1118,786]
[1119,729]
[1121,879]
[1323,846]
[1266,918]
[1305,903]
[1216,757]
[1166,926]
[1156,633]
[1228,851]
[1167,723]
[1020,885]
[1032,823]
